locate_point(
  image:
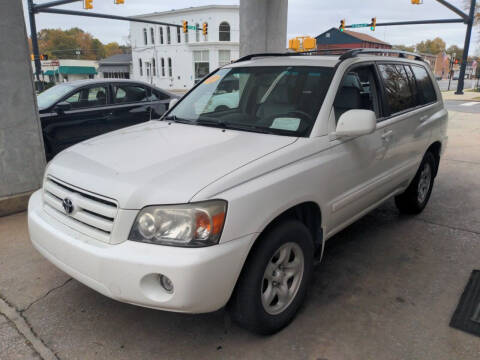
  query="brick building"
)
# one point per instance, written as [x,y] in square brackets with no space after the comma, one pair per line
[336,39]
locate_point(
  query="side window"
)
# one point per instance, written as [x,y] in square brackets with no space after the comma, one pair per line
[129,94]
[157,95]
[357,91]
[398,92]
[425,86]
[85,98]
[413,85]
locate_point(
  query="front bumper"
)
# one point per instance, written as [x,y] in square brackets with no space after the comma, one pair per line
[203,278]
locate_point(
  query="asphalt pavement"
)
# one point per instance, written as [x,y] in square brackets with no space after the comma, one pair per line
[463,106]
[386,289]
[443,84]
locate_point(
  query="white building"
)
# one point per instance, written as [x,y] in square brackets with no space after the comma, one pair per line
[171,59]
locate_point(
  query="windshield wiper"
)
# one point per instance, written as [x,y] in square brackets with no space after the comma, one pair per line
[232,126]
[175,118]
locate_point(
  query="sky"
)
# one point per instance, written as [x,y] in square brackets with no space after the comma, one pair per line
[305,17]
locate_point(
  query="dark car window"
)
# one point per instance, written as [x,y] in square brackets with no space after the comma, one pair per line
[413,85]
[425,86]
[397,88]
[88,97]
[129,94]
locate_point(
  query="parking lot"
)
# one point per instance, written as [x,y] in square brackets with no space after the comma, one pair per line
[386,289]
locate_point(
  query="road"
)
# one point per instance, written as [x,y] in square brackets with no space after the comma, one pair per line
[386,290]
[472,107]
[468,84]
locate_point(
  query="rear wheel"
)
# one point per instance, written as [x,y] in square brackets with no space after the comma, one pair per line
[274,281]
[416,197]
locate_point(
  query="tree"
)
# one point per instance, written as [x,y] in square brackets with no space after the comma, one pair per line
[75,43]
[404,48]
[455,49]
[435,46]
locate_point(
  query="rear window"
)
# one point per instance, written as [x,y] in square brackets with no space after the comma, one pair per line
[398,91]
[424,84]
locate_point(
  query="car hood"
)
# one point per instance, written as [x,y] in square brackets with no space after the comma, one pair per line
[159,163]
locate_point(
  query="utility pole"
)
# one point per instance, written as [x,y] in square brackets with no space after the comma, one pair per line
[466,47]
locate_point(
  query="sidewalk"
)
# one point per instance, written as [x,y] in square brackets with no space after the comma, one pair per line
[467,96]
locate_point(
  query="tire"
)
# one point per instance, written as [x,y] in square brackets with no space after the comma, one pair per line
[416,197]
[250,305]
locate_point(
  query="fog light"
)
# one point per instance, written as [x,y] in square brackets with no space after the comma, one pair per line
[166,283]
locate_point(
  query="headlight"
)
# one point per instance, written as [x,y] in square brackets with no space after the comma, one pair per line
[195,224]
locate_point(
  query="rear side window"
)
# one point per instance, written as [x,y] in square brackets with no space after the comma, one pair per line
[129,94]
[424,84]
[398,92]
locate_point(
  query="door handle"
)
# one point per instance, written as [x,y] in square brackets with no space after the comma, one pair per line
[387,135]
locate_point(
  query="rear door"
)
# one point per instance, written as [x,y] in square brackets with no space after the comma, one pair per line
[87,118]
[159,103]
[131,104]
[403,128]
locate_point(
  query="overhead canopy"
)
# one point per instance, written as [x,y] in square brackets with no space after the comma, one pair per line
[77,70]
[50,72]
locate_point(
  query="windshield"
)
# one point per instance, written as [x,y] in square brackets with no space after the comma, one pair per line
[52,95]
[283,100]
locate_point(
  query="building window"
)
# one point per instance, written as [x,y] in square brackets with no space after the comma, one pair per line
[223,57]
[147,68]
[161,34]
[163,66]
[179,36]
[140,66]
[145,36]
[197,32]
[201,64]
[152,35]
[168,35]
[170,71]
[224,32]
[154,67]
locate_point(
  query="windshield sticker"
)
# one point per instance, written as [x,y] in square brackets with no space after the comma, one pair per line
[286,123]
[212,79]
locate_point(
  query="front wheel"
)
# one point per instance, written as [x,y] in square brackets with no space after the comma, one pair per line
[274,281]
[416,197]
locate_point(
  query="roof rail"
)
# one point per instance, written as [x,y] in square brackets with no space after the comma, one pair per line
[355,52]
[303,53]
[344,53]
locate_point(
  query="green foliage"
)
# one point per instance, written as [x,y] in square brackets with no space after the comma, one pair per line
[435,46]
[458,52]
[65,44]
[404,48]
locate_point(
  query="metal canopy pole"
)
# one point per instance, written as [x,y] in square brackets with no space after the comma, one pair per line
[103,16]
[466,47]
[36,54]
[415,22]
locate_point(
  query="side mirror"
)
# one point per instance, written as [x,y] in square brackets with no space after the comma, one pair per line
[356,122]
[63,106]
[172,102]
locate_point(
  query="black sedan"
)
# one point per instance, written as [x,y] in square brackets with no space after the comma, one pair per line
[79,110]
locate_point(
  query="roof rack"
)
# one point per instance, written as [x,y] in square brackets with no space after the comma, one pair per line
[344,53]
[400,53]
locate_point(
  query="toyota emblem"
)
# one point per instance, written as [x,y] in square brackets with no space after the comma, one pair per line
[67,205]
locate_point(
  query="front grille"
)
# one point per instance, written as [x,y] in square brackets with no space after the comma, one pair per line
[92,215]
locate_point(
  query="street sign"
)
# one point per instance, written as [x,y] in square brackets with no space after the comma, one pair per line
[359,25]
[192,27]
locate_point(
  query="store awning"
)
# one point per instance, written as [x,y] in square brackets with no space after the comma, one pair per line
[50,72]
[83,70]
[114,68]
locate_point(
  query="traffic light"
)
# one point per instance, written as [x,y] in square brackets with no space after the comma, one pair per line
[88,4]
[342,25]
[185,26]
[45,56]
[294,44]
[373,24]
[32,57]
[417,2]
[205,28]
[119,2]
[456,61]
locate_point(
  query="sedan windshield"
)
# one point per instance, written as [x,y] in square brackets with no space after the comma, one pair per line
[282,100]
[52,95]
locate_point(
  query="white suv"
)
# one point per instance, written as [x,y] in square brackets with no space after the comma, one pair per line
[217,205]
